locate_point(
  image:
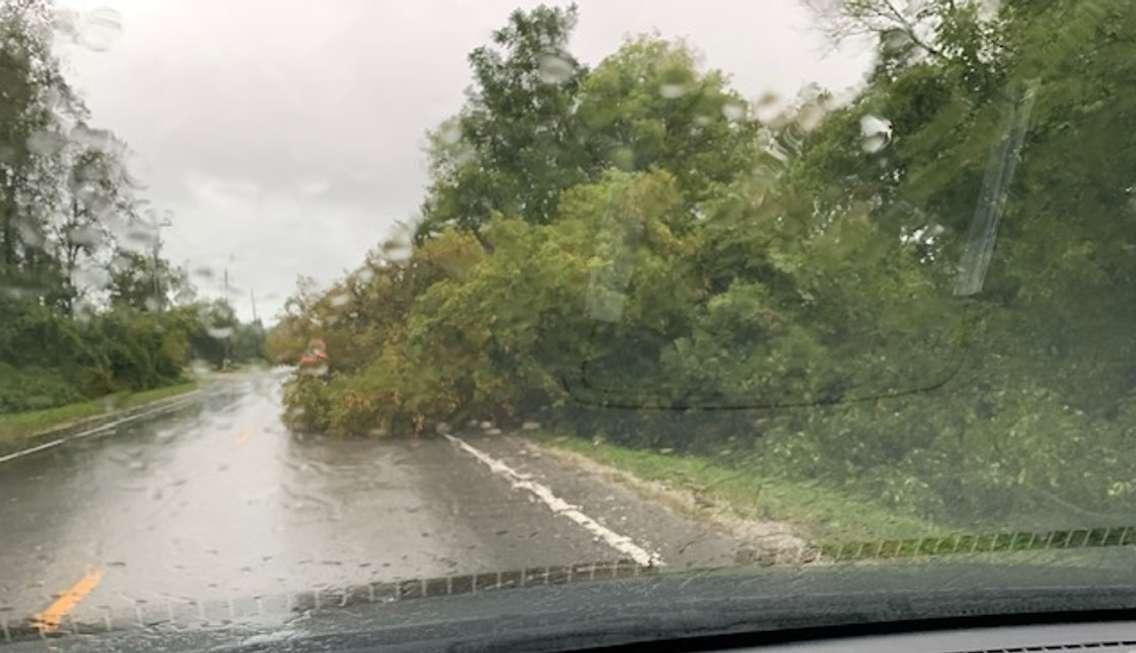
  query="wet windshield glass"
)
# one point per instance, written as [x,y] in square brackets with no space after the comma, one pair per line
[305,302]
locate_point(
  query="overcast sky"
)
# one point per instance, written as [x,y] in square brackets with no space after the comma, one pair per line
[286,135]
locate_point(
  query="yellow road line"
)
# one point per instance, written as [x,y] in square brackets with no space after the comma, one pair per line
[49,619]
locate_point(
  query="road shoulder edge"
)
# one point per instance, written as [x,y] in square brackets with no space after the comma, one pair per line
[769,540]
[53,436]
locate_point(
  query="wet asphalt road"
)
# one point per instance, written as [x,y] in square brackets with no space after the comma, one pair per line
[218,501]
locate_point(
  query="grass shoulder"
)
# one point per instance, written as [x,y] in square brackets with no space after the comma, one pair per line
[15,426]
[820,514]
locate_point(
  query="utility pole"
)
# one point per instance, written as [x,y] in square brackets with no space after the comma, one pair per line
[228,347]
[156,224]
[252,300]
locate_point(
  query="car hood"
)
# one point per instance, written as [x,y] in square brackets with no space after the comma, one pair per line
[565,608]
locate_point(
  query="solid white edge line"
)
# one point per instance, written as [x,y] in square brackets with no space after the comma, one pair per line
[558,506]
[105,427]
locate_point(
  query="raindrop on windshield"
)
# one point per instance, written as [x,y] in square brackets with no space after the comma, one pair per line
[768,108]
[450,132]
[876,133]
[395,249]
[199,367]
[810,116]
[143,237]
[95,139]
[91,277]
[896,40]
[86,236]
[29,235]
[100,28]
[315,370]
[554,69]
[672,91]
[733,111]
[45,143]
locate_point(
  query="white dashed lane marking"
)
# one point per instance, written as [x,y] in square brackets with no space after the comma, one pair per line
[620,543]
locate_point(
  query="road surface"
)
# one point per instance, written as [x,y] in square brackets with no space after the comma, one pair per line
[218,502]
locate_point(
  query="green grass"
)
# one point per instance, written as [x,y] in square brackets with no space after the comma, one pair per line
[15,426]
[822,515]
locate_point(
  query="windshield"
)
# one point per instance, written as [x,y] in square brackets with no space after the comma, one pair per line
[309,302]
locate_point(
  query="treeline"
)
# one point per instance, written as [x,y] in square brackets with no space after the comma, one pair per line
[924,292]
[87,304]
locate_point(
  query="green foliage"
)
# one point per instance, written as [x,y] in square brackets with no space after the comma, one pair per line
[88,305]
[140,282]
[688,277]
[15,428]
[719,481]
[518,145]
[33,388]
[51,359]
[308,404]
[648,106]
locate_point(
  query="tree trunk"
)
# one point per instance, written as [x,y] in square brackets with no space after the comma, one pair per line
[9,238]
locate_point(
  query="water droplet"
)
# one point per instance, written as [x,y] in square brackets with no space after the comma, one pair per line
[450,132]
[555,69]
[876,132]
[485,426]
[91,277]
[141,236]
[340,300]
[395,249]
[896,39]
[768,108]
[100,28]
[623,158]
[530,426]
[220,333]
[873,144]
[314,370]
[672,91]
[810,116]
[733,111]
[87,236]
[101,140]
[45,143]
[29,235]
